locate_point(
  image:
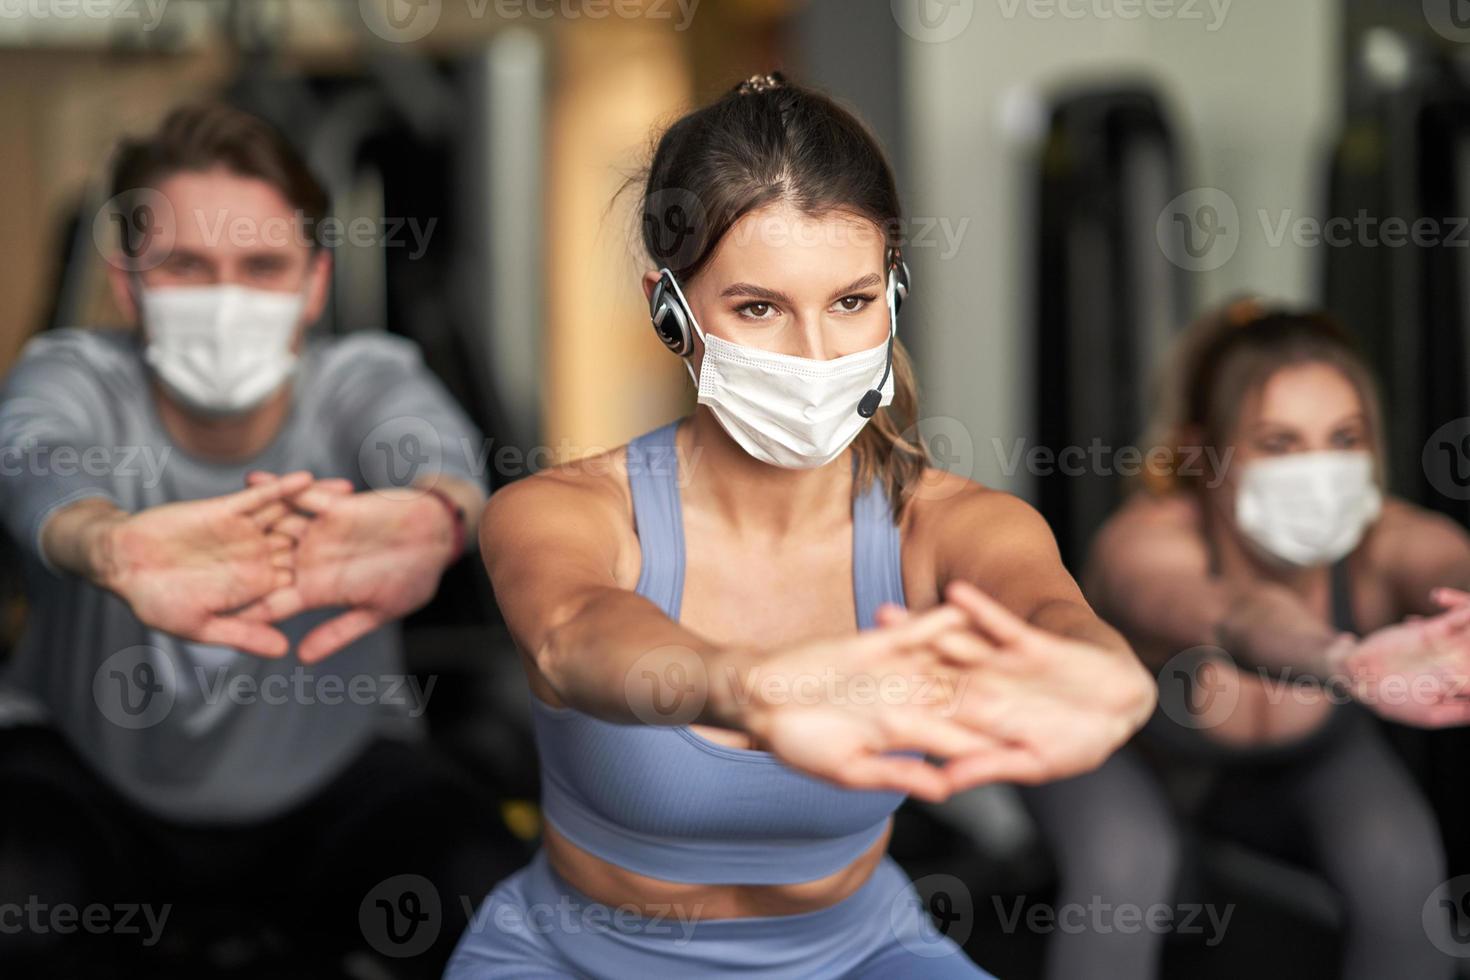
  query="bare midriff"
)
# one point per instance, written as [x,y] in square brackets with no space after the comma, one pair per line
[1262,716]
[618,887]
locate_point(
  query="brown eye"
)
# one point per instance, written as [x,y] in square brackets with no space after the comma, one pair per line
[756,310]
[853,304]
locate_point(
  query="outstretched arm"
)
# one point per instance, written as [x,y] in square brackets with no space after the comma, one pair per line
[1063,689]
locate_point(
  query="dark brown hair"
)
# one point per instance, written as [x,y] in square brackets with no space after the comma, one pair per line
[767,141]
[198,138]
[1230,353]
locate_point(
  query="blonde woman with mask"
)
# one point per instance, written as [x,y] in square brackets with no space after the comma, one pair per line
[1284,597]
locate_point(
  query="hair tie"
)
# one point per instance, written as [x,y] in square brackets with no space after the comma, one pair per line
[761,83]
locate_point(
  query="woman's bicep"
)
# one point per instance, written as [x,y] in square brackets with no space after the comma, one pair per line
[549,548]
[1151,578]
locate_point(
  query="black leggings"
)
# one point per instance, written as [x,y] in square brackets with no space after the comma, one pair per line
[324,878]
[1364,824]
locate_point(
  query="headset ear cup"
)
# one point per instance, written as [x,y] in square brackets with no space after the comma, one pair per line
[900,275]
[671,325]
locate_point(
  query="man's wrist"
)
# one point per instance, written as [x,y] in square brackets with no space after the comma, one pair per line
[457,520]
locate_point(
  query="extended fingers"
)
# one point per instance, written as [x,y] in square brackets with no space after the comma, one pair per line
[336,633]
[915,777]
[1448,598]
[1009,764]
[281,603]
[251,637]
[994,621]
[266,491]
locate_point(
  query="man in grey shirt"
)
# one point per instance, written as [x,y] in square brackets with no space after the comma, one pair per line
[222,521]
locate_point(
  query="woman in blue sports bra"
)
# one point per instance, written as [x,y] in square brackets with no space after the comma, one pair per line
[751,632]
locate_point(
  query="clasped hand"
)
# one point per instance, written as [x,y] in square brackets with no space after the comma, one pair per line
[225,569]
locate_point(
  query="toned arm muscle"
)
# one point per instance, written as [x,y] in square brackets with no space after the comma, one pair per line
[551,546]
[1149,573]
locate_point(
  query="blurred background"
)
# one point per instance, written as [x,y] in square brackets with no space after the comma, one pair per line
[1081,177]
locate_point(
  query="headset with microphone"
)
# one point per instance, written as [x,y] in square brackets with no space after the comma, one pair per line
[673,321]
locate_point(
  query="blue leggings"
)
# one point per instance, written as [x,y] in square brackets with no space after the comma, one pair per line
[535,926]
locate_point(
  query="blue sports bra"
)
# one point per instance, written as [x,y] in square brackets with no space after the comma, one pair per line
[669,803]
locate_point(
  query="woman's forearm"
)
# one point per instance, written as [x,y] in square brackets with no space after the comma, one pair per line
[1267,627]
[619,658]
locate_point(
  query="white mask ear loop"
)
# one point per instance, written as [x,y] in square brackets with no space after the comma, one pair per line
[698,332]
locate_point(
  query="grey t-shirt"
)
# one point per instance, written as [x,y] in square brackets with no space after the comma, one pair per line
[195,732]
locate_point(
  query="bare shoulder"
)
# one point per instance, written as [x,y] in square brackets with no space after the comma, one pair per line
[946,503]
[1405,530]
[1154,514]
[580,495]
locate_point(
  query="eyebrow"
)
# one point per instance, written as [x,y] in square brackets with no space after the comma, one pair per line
[1361,418]
[776,296]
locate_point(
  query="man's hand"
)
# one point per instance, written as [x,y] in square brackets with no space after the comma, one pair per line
[183,567]
[379,555]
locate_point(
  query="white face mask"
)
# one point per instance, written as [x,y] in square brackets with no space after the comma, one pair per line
[223,349]
[1307,508]
[793,412]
